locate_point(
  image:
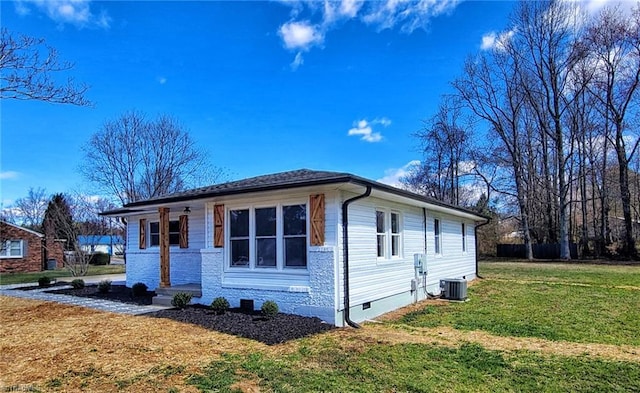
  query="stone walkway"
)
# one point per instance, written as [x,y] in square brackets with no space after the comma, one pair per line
[97,304]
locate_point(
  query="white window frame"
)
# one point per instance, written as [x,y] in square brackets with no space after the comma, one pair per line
[280,237]
[5,251]
[381,237]
[437,236]
[170,233]
[388,236]
[464,237]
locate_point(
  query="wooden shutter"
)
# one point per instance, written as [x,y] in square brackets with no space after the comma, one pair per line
[317,220]
[218,226]
[184,231]
[142,242]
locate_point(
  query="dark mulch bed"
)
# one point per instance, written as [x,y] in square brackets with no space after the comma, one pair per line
[118,293]
[276,330]
[52,285]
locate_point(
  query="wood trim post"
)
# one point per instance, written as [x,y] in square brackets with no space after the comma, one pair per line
[317,219]
[165,265]
[218,226]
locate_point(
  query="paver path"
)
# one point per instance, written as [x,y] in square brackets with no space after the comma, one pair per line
[97,304]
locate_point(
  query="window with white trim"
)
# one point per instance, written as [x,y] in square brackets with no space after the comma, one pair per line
[388,234]
[381,232]
[437,236]
[273,237]
[11,249]
[395,234]
[464,237]
[174,233]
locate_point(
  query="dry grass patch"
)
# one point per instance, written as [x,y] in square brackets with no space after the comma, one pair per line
[69,348]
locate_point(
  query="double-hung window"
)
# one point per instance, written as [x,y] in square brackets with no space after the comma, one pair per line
[437,236]
[174,233]
[11,249]
[381,232]
[388,234]
[272,237]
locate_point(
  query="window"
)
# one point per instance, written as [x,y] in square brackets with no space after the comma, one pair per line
[174,233]
[388,234]
[395,235]
[269,237]
[265,237]
[239,236]
[381,233]
[464,237]
[436,231]
[295,235]
[11,249]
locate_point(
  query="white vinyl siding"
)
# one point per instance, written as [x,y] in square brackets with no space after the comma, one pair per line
[373,279]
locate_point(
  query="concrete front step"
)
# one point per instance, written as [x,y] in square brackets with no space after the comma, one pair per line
[165,295]
[162,300]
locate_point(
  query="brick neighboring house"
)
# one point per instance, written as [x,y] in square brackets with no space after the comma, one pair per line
[23,250]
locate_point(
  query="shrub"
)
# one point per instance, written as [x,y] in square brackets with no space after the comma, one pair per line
[99,258]
[269,308]
[181,300]
[104,286]
[139,289]
[44,281]
[78,283]
[220,305]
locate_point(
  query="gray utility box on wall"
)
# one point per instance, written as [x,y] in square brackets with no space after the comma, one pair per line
[453,288]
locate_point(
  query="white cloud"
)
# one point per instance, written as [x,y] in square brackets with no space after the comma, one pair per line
[393,176]
[364,129]
[300,35]
[492,40]
[297,61]
[7,175]
[74,12]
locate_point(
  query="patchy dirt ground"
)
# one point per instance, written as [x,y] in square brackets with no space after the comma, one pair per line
[55,347]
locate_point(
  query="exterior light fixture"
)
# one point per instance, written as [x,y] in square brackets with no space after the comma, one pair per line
[187,210]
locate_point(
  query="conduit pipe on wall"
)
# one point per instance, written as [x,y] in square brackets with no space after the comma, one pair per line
[345,251]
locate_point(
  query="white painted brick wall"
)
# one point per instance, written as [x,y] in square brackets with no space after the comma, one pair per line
[318,301]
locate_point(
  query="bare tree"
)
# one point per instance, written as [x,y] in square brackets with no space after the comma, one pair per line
[490,87]
[29,210]
[614,43]
[71,218]
[133,158]
[27,68]
[445,140]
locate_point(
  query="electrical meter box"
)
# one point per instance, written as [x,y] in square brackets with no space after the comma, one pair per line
[420,263]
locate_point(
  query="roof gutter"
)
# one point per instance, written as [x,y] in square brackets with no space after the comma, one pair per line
[345,250]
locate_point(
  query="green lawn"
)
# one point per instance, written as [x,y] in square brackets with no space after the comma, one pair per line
[554,309]
[19,278]
[419,368]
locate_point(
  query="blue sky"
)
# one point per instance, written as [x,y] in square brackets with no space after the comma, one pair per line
[262,87]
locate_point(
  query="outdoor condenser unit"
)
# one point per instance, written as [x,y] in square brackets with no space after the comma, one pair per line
[453,288]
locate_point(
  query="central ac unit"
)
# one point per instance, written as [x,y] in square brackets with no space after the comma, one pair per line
[453,288]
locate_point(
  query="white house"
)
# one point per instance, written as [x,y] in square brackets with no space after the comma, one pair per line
[325,244]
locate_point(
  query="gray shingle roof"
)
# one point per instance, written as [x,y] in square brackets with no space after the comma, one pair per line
[279,181]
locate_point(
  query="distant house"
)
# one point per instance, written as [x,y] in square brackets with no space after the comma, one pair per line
[332,245]
[112,245]
[23,250]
